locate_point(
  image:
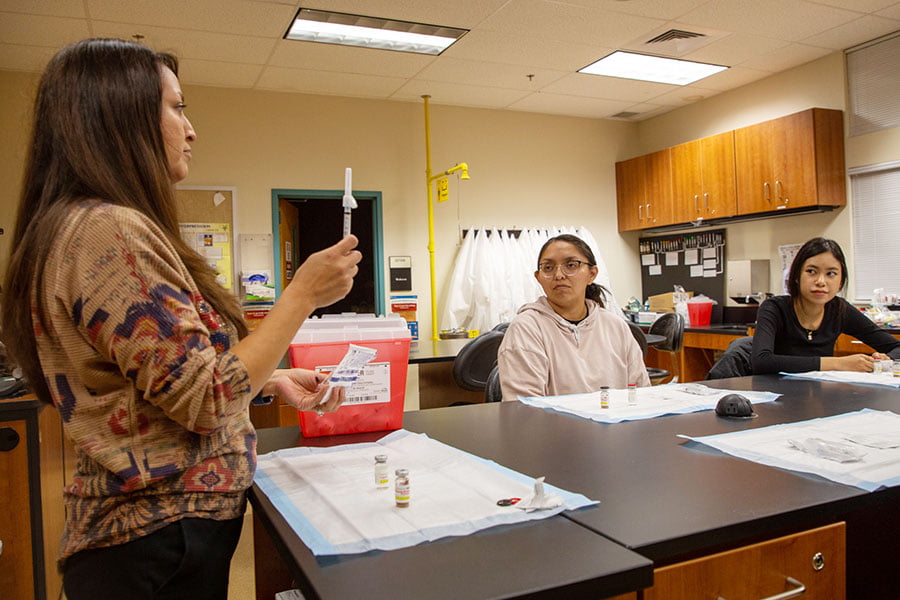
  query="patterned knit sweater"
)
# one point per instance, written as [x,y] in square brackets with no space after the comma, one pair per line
[139,367]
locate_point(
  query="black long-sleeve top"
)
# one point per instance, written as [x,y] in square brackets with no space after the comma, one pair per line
[780,343]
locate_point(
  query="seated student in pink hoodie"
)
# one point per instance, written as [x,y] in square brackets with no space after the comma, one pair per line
[567,342]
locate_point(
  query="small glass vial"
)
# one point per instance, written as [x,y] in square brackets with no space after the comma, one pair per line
[604,396]
[887,365]
[632,394]
[876,368]
[382,480]
[897,368]
[401,487]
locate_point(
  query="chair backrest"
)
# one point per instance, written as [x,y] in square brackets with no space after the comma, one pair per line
[670,326]
[492,391]
[638,334]
[475,360]
[735,361]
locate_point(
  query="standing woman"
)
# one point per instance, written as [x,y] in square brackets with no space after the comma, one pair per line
[122,327]
[796,333]
[567,342]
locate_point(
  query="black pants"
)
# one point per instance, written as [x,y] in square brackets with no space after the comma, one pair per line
[187,559]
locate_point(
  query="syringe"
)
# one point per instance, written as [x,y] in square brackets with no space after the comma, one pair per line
[349,200]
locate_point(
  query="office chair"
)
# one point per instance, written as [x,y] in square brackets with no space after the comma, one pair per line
[475,360]
[735,361]
[670,326]
[492,391]
[653,372]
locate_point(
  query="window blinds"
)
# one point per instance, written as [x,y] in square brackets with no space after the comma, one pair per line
[873,80]
[876,218]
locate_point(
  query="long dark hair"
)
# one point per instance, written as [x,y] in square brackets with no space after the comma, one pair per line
[96,135]
[811,248]
[594,291]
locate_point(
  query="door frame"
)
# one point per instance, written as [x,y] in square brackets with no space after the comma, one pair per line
[377,234]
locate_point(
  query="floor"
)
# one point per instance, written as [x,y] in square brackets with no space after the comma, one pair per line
[241,584]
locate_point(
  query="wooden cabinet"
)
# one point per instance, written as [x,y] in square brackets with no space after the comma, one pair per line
[814,560]
[791,162]
[644,191]
[703,180]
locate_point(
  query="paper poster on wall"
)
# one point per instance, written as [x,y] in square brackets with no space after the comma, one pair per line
[648,259]
[709,253]
[691,256]
[709,272]
[213,241]
[655,270]
[709,264]
[696,270]
[671,259]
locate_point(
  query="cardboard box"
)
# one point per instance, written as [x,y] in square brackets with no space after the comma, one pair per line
[664,302]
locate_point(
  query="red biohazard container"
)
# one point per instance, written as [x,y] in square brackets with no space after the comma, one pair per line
[375,401]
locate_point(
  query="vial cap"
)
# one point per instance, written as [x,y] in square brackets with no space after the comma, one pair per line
[402,472]
[380,458]
[604,387]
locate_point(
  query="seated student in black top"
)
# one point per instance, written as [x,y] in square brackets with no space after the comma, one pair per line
[796,333]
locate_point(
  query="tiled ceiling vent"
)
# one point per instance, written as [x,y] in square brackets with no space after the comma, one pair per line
[675,42]
[625,114]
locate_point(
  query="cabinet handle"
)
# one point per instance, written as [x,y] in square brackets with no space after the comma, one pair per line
[799,588]
[778,187]
[706,200]
[766,191]
[696,205]
[648,211]
[640,212]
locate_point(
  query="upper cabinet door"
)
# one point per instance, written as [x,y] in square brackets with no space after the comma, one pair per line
[631,177]
[718,196]
[791,162]
[687,181]
[658,203]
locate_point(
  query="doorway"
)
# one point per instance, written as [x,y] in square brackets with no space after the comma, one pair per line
[306,221]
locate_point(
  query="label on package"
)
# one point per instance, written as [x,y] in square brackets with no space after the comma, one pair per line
[372,386]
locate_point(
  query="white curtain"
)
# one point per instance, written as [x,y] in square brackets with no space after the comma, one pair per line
[493,276]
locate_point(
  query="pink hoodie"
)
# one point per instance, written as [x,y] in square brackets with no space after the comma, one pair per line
[542,354]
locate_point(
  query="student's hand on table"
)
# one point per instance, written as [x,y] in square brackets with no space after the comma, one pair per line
[856,362]
[304,389]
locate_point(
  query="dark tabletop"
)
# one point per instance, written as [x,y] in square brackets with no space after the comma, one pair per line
[553,557]
[423,351]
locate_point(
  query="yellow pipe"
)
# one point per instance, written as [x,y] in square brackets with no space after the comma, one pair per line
[428,178]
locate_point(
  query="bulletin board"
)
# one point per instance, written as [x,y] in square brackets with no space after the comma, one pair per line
[206,221]
[695,260]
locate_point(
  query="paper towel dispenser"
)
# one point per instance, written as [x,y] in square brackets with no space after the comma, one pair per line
[746,278]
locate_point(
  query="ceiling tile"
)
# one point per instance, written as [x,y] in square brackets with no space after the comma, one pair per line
[199,44]
[465,14]
[542,19]
[55,8]
[32,30]
[349,59]
[844,36]
[219,74]
[646,111]
[785,19]
[240,17]
[732,78]
[577,106]
[597,86]
[864,6]
[658,9]
[488,74]
[891,13]
[458,94]
[15,57]
[735,49]
[790,56]
[524,50]
[325,82]
[684,96]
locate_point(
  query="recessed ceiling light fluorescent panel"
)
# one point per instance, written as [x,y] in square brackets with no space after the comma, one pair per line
[312,25]
[644,67]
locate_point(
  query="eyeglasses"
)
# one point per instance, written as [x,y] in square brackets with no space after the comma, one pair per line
[569,268]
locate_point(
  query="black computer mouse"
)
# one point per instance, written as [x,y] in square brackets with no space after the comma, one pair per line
[735,406]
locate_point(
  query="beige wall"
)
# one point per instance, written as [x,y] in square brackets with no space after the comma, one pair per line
[526,169]
[819,83]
